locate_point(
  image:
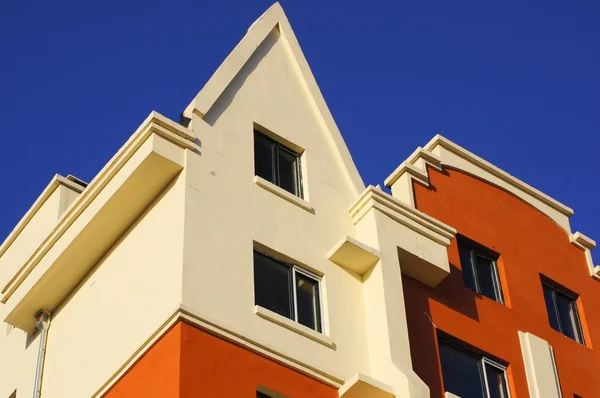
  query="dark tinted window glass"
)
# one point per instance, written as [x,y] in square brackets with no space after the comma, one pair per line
[263,157]
[562,312]
[272,285]
[461,371]
[552,315]
[261,395]
[480,270]
[568,316]
[288,171]
[496,382]
[467,267]
[486,275]
[307,291]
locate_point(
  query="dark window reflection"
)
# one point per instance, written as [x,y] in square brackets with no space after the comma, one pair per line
[277,164]
[562,311]
[272,285]
[307,291]
[465,374]
[274,289]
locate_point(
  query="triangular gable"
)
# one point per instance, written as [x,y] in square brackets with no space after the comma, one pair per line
[275,18]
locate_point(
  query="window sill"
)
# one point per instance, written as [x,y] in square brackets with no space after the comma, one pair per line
[293,326]
[282,193]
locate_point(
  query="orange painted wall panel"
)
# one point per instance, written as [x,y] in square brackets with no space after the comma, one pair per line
[190,363]
[529,244]
[157,372]
[212,367]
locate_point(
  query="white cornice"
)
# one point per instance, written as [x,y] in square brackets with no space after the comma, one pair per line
[56,181]
[401,212]
[441,152]
[586,244]
[439,140]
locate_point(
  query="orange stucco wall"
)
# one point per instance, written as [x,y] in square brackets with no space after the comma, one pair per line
[212,367]
[190,363]
[529,244]
[157,372]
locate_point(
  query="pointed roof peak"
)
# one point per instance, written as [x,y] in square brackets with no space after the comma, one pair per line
[274,18]
[275,8]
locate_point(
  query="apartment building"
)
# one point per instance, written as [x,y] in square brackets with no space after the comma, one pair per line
[238,253]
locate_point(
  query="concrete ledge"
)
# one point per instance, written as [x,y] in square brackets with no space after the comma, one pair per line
[406,167]
[403,213]
[586,244]
[293,326]
[353,255]
[362,386]
[282,193]
[582,241]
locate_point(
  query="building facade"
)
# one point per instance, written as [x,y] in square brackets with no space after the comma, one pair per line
[238,253]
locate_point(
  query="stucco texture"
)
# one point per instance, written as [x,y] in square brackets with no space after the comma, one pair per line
[530,244]
[188,362]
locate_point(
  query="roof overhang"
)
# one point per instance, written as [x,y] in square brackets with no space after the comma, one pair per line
[116,197]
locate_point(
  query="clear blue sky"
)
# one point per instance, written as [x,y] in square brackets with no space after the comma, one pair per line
[516,82]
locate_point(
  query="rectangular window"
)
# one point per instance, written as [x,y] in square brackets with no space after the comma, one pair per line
[562,311]
[469,375]
[480,269]
[287,290]
[277,164]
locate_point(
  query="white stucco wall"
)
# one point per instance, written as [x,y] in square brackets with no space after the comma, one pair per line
[226,211]
[129,294]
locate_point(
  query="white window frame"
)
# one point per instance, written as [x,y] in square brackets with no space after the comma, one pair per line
[297,269]
[317,279]
[486,360]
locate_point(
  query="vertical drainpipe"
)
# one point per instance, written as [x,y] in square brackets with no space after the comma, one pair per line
[42,323]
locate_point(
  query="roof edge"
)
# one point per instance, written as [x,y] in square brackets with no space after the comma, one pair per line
[444,142]
[54,183]
[275,18]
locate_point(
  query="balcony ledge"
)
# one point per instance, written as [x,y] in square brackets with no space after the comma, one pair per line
[353,255]
[362,386]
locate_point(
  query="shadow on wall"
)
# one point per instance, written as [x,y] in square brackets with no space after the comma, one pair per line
[232,89]
[422,330]
[453,293]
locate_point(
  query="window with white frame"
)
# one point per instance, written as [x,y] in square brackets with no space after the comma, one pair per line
[469,375]
[287,290]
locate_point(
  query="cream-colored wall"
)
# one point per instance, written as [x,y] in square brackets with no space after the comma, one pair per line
[540,367]
[18,355]
[386,325]
[192,248]
[226,211]
[130,293]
